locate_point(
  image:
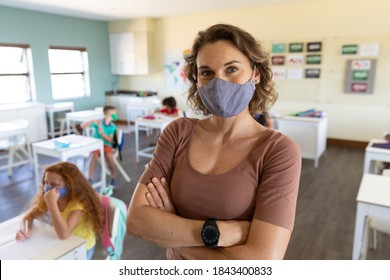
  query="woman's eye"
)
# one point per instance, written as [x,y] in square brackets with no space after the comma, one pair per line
[205,73]
[231,69]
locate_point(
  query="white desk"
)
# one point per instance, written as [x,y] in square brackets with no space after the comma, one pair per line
[43,243]
[57,107]
[375,154]
[14,129]
[309,133]
[82,116]
[137,110]
[79,145]
[141,123]
[373,199]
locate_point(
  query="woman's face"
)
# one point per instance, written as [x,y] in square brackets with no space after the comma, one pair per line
[223,60]
[54,180]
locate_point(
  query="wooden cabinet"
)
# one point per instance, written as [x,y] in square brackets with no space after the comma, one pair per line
[129,53]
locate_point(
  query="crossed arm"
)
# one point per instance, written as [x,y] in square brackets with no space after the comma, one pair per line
[152,217]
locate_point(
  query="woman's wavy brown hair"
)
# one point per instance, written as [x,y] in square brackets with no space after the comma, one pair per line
[264,95]
[78,189]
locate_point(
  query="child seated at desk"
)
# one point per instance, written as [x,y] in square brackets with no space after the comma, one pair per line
[105,130]
[169,108]
[71,202]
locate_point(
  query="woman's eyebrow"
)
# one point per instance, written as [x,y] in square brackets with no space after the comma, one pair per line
[225,64]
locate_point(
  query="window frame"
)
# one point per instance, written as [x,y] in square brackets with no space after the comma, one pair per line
[29,74]
[84,73]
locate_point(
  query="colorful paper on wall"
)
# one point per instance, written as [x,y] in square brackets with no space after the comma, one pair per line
[294,74]
[295,59]
[349,49]
[279,73]
[295,47]
[312,73]
[278,48]
[369,49]
[314,46]
[277,60]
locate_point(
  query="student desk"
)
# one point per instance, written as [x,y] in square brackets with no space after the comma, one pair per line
[57,107]
[309,133]
[82,116]
[43,243]
[373,199]
[372,153]
[14,129]
[78,145]
[134,111]
[142,123]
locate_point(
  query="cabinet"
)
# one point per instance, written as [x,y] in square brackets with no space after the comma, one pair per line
[309,133]
[129,53]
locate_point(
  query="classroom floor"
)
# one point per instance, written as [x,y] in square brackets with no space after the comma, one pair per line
[325,218]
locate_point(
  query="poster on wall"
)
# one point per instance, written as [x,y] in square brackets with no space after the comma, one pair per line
[359,87]
[361,64]
[312,73]
[313,59]
[369,49]
[279,73]
[295,59]
[294,74]
[277,60]
[349,49]
[314,47]
[295,47]
[174,70]
[359,76]
[279,48]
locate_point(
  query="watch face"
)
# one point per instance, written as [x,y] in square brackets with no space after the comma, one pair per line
[210,234]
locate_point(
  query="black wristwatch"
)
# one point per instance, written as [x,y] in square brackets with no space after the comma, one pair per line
[210,233]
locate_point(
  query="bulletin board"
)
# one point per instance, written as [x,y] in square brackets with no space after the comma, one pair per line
[359,76]
[335,78]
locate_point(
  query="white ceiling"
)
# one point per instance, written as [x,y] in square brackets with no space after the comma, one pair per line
[107,10]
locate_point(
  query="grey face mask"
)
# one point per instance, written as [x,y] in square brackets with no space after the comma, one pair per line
[226,99]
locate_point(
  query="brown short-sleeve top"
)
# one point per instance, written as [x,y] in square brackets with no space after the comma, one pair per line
[263,186]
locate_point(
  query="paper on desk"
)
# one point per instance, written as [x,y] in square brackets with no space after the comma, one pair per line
[42,238]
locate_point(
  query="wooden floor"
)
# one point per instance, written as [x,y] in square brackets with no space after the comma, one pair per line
[325,217]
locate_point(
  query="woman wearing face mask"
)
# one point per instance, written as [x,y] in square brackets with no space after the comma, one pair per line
[224,187]
[71,202]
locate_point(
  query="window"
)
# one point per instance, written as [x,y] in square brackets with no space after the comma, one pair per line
[69,72]
[15,74]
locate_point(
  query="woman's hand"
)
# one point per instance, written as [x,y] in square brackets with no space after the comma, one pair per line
[159,195]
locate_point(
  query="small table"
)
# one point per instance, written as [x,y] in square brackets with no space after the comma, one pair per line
[309,133]
[373,199]
[57,107]
[375,154]
[11,129]
[159,123]
[43,243]
[78,145]
[82,116]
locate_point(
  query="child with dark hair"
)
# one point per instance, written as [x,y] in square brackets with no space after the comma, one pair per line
[169,109]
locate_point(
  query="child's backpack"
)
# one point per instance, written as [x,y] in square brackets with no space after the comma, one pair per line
[114,229]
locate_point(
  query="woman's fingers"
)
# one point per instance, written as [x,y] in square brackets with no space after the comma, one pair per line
[150,200]
[155,194]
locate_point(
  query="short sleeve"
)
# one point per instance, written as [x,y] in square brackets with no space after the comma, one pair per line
[278,190]
[162,163]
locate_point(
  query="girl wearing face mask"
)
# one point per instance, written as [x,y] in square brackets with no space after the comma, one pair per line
[71,202]
[224,187]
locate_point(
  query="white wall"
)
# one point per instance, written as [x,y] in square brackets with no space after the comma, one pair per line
[334,22]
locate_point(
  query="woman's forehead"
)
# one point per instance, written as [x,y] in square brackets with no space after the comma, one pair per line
[220,52]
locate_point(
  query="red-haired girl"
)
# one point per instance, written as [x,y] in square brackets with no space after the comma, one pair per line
[72,203]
